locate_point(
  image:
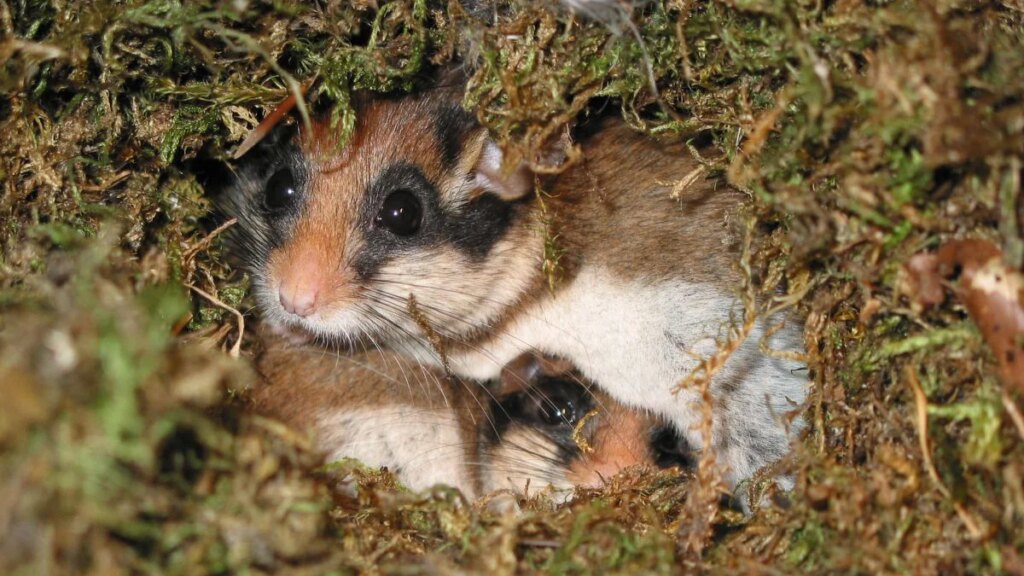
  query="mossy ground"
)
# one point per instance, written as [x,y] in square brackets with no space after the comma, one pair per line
[865,132]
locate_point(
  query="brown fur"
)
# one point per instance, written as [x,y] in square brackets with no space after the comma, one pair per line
[616,207]
[297,382]
[628,221]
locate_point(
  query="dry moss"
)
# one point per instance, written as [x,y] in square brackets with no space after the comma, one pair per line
[864,132]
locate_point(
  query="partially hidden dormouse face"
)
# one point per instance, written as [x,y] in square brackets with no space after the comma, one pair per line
[551,429]
[415,206]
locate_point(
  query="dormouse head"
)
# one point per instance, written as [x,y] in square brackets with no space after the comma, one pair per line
[413,221]
[551,427]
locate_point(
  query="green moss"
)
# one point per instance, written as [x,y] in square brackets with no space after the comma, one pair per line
[805,543]
[984,444]
[188,121]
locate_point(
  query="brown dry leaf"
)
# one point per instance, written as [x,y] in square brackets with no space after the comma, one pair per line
[992,293]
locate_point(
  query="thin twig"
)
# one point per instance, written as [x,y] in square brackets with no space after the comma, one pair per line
[433,337]
[577,433]
[1014,412]
[539,543]
[108,184]
[237,347]
[208,239]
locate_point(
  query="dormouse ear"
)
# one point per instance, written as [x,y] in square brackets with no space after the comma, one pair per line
[524,371]
[519,374]
[490,174]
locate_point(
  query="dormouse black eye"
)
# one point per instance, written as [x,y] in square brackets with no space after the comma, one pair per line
[281,191]
[558,406]
[556,411]
[401,213]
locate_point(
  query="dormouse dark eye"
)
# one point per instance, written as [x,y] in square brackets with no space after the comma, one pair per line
[558,405]
[556,411]
[281,191]
[401,213]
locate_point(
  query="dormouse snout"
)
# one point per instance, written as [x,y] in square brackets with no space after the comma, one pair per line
[308,280]
[618,442]
[299,300]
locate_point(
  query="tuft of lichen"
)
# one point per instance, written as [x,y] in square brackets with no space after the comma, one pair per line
[864,133]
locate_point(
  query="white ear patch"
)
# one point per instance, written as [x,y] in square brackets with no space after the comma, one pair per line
[490,175]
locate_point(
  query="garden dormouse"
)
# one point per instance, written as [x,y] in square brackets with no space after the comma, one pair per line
[414,236]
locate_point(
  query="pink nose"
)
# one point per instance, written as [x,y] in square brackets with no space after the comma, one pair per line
[297,301]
